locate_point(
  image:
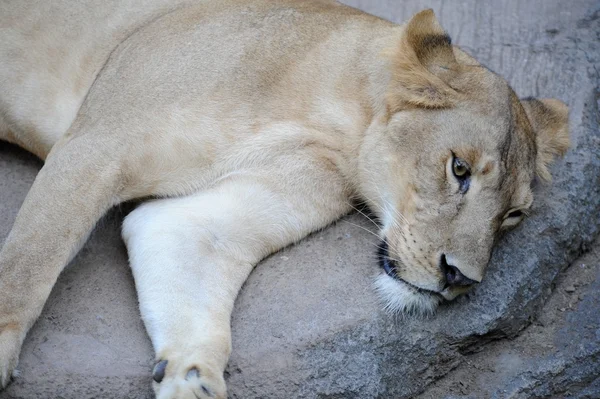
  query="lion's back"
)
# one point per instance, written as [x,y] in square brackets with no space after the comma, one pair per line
[50,54]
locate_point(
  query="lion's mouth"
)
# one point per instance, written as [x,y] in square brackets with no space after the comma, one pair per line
[390,266]
[387,264]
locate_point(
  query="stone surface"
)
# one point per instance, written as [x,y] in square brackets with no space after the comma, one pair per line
[307,323]
[557,356]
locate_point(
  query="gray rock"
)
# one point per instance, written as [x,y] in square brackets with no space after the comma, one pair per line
[557,356]
[307,323]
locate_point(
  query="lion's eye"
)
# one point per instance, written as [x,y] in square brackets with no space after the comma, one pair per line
[513,218]
[462,173]
[459,168]
[517,213]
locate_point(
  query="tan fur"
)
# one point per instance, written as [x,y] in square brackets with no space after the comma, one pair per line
[262,120]
[548,117]
[423,61]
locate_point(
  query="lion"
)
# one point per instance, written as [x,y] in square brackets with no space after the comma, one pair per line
[242,126]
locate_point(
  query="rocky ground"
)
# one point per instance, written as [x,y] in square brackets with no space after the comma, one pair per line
[556,356]
[307,323]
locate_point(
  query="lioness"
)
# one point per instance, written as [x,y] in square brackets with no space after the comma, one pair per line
[253,123]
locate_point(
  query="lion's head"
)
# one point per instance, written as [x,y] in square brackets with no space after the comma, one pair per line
[451,167]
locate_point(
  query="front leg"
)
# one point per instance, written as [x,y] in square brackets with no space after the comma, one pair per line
[191,255]
[72,191]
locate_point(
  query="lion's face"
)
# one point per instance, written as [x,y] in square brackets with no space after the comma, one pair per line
[451,169]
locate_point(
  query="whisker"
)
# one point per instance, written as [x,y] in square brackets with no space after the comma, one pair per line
[398,221]
[394,259]
[379,247]
[361,227]
[365,215]
[398,214]
[389,206]
[378,256]
[381,196]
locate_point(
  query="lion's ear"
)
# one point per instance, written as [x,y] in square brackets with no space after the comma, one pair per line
[550,121]
[423,62]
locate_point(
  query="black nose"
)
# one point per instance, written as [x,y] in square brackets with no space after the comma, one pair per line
[453,276]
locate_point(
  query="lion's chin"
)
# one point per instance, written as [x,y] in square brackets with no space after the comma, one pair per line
[401,298]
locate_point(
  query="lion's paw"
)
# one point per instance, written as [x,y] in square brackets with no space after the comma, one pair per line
[10,346]
[183,380]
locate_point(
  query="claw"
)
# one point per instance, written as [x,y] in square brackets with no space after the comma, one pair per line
[158,373]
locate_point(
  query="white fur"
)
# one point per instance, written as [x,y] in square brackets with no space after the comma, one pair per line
[190,256]
[189,260]
[400,298]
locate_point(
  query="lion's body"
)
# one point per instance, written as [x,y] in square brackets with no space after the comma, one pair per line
[51,55]
[257,122]
[51,61]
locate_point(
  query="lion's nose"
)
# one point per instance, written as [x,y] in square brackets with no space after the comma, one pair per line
[453,275]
